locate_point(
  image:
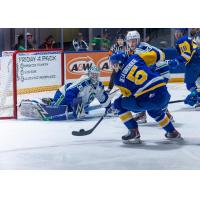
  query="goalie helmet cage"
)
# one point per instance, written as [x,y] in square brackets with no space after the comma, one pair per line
[8,82]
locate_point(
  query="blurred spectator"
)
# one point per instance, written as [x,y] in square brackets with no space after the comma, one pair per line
[147,39]
[49,43]
[194,32]
[105,42]
[96,42]
[30,41]
[79,44]
[197,39]
[20,43]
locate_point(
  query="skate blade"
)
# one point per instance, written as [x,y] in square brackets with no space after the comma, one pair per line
[197,107]
[142,121]
[135,141]
[173,140]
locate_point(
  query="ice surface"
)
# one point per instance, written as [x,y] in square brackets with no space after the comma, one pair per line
[28,144]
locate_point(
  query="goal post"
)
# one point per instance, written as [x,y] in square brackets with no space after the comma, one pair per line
[23,74]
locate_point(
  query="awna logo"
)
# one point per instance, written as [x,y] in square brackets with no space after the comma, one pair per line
[103,63]
[80,65]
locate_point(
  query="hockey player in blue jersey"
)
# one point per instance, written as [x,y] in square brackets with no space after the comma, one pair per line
[142,90]
[188,55]
[157,63]
[75,97]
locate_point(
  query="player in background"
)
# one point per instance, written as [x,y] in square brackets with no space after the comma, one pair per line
[119,45]
[77,96]
[142,90]
[188,55]
[195,34]
[197,39]
[156,63]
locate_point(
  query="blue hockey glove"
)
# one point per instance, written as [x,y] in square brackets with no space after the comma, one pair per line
[191,99]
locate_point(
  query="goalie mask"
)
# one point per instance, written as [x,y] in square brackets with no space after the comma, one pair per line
[93,73]
[133,39]
[117,60]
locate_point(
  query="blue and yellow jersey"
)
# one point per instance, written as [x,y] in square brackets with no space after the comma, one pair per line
[186,48]
[154,58]
[150,54]
[135,78]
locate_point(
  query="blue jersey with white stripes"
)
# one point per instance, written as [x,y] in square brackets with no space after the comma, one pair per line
[83,88]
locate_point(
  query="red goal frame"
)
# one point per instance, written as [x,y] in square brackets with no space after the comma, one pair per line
[14,78]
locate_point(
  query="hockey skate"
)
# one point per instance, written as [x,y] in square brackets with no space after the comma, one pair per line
[133,137]
[174,136]
[141,117]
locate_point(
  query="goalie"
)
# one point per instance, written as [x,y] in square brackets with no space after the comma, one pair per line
[73,98]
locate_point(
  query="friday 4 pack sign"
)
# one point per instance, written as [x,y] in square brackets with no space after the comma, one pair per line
[77,64]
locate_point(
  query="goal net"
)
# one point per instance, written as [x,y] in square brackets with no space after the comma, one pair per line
[28,75]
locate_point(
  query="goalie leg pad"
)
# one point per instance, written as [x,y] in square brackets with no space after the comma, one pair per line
[35,110]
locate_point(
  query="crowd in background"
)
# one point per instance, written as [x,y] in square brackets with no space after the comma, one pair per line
[78,43]
[49,42]
[100,42]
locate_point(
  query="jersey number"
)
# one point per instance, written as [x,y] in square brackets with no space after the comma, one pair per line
[138,77]
[185,47]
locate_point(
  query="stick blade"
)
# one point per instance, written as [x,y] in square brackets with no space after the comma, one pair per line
[82,132]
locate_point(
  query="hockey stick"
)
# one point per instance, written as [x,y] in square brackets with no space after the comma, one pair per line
[176,101]
[113,92]
[82,132]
